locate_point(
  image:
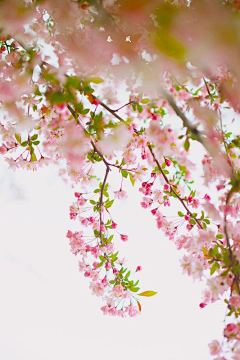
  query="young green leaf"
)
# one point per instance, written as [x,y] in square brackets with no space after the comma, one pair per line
[124,173]
[18,138]
[148,293]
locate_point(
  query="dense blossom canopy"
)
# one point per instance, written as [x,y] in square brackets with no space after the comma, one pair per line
[132,87]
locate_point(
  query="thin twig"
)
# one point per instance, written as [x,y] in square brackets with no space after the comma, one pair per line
[171,187]
[101,200]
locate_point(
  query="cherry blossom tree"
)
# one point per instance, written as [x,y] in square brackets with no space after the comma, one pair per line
[132,87]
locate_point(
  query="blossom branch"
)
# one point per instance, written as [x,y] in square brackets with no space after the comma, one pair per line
[101,200]
[171,187]
[231,256]
[195,132]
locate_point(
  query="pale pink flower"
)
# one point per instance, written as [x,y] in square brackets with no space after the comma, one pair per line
[186,264]
[117,291]
[12,163]
[118,140]
[215,347]
[120,194]
[3,149]
[132,310]
[235,301]
[195,203]
[97,288]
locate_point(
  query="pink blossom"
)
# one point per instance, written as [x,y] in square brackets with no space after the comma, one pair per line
[189,227]
[139,268]
[168,162]
[235,301]
[120,194]
[102,228]
[132,310]
[190,199]
[124,237]
[97,288]
[3,149]
[114,225]
[195,203]
[147,202]
[231,330]
[166,187]
[202,305]
[215,347]
[117,291]
[108,266]
[207,197]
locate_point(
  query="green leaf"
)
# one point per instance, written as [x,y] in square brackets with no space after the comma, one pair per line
[85,111]
[92,202]
[37,91]
[219,236]
[34,137]
[36,142]
[18,138]
[180,214]
[139,107]
[148,293]
[214,268]
[193,222]
[97,191]
[73,82]
[206,221]
[204,226]
[186,144]
[124,173]
[56,97]
[33,157]
[145,101]
[108,204]
[95,80]
[24,143]
[134,289]
[131,178]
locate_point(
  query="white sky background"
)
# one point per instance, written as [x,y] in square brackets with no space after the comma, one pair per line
[46,308]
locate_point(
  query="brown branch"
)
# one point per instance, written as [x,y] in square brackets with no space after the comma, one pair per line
[113,112]
[195,132]
[130,102]
[209,93]
[171,187]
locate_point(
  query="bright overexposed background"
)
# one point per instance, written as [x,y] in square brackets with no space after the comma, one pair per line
[46,308]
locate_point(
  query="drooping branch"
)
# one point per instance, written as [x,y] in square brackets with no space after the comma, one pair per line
[171,187]
[211,148]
